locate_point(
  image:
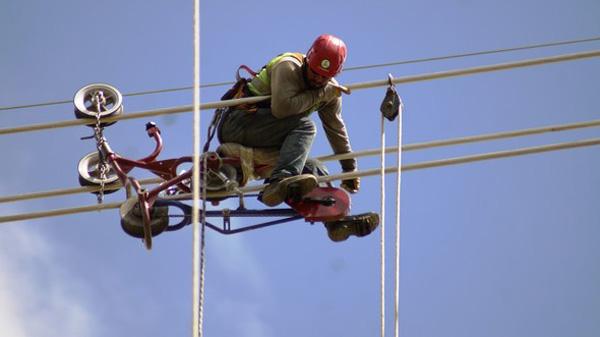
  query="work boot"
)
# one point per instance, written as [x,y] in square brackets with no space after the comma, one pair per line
[277,191]
[358,225]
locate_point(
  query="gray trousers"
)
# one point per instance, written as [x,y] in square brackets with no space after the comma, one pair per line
[293,136]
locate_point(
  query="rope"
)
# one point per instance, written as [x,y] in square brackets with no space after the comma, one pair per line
[203,248]
[341,176]
[382,225]
[398,185]
[356,86]
[419,60]
[409,147]
[197,264]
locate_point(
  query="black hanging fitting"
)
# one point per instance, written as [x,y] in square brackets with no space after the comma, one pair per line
[150,125]
[390,106]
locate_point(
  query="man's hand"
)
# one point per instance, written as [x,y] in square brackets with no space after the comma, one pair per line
[333,90]
[351,185]
[330,92]
[341,88]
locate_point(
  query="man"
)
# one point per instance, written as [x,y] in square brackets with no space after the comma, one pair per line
[299,85]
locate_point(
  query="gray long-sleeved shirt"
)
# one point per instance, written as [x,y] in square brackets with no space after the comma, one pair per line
[290,95]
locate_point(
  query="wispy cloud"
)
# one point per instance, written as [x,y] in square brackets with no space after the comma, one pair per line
[247,282]
[38,296]
[237,260]
[249,318]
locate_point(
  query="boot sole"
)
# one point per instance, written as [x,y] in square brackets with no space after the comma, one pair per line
[298,189]
[357,225]
[298,185]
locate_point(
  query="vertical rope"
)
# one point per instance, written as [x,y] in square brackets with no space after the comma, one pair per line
[196,286]
[382,225]
[202,248]
[398,187]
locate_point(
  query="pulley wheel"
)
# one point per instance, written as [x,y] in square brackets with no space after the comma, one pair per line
[87,98]
[89,173]
[132,220]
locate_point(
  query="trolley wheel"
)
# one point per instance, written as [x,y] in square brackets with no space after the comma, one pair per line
[85,102]
[222,179]
[132,219]
[89,173]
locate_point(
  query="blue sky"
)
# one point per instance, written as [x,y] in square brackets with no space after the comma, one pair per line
[498,248]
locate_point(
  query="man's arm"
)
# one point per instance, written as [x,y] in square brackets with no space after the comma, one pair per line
[288,93]
[335,129]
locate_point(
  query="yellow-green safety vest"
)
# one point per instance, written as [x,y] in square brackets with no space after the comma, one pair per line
[261,84]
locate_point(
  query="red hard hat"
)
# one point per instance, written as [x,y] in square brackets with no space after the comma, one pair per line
[326,56]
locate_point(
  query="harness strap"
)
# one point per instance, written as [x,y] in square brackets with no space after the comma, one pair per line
[247,69]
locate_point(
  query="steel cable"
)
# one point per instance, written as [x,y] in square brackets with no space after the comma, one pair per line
[341,176]
[380,65]
[358,154]
[356,86]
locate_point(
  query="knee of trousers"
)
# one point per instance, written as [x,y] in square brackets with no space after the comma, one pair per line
[307,125]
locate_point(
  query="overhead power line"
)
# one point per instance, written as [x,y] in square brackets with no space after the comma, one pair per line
[466,140]
[356,86]
[478,53]
[70,191]
[477,70]
[357,154]
[341,176]
[363,67]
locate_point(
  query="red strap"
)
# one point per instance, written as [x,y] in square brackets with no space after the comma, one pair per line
[247,69]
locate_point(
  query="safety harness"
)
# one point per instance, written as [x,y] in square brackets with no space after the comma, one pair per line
[257,85]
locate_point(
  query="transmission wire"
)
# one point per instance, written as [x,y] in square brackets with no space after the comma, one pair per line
[380,65]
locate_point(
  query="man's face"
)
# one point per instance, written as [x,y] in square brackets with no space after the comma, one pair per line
[315,80]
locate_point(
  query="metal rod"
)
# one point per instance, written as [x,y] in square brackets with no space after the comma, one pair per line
[356,86]
[349,175]
[358,154]
[346,69]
